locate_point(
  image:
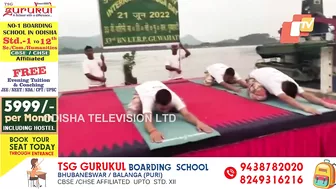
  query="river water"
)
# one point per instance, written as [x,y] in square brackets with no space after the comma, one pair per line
[150,65]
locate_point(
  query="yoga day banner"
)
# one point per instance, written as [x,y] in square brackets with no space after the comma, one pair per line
[138,22]
[249,173]
[29,81]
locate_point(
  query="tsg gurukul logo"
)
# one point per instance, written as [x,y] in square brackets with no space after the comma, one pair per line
[38,10]
[301,26]
[324,176]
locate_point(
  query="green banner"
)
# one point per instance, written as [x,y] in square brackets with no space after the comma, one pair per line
[139,22]
[29,114]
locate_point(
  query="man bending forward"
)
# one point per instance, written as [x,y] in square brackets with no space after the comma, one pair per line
[154,95]
[224,76]
[274,82]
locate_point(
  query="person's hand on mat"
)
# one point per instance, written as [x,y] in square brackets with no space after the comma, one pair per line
[156,136]
[312,110]
[330,106]
[237,90]
[204,128]
[103,79]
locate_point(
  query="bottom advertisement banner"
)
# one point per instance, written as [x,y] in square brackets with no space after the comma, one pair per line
[172,172]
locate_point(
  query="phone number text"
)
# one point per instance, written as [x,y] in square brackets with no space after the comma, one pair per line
[270,179]
[272,166]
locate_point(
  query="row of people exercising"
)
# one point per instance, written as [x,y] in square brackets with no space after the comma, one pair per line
[261,83]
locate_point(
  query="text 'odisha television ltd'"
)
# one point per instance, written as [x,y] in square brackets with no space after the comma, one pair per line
[111,118]
[94,118]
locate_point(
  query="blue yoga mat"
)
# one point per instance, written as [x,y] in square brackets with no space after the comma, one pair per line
[272,101]
[176,133]
[125,95]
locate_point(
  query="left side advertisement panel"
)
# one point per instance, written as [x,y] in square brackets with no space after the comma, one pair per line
[28,82]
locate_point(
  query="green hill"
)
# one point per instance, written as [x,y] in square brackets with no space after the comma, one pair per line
[79,42]
[190,40]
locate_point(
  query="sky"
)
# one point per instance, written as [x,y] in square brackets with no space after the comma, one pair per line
[206,20]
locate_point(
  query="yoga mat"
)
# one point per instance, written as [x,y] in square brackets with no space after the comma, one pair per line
[125,95]
[272,101]
[176,133]
[219,109]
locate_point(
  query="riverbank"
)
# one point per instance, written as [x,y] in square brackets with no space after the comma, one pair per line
[76,47]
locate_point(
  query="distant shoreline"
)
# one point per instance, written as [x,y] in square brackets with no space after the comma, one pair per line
[150,48]
[251,39]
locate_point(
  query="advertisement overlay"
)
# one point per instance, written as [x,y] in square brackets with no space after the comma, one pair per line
[256,173]
[29,32]
[28,81]
[29,42]
[29,115]
[28,129]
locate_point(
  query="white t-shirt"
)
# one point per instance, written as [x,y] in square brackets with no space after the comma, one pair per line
[272,80]
[93,67]
[174,61]
[147,92]
[217,71]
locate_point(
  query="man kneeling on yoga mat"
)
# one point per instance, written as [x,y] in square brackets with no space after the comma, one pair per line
[269,81]
[223,75]
[154,95]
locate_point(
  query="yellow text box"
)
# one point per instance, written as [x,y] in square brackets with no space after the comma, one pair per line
[17,147]
[29,42]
